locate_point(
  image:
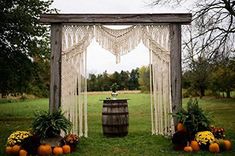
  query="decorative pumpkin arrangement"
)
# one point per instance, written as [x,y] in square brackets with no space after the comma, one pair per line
[205,140]
[194,127]
[24,143]
[43,149]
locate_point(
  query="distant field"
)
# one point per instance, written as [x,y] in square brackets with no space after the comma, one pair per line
[119,92]
[139,142]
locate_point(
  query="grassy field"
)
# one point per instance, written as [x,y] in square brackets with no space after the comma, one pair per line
[18,116]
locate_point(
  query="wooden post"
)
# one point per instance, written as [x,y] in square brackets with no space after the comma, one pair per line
[55,81]
[176,69]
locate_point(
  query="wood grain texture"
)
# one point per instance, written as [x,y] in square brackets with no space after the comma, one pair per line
[114,19]
[176,69]
[55,81]
[115,118]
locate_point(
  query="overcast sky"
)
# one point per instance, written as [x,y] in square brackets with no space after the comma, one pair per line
[99,59]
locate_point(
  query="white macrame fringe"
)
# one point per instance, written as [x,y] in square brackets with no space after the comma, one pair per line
[76,39]
[118,42]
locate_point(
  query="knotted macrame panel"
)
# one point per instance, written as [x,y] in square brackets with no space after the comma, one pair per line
[75,40]
[118,41]
[162,122]
[156,39]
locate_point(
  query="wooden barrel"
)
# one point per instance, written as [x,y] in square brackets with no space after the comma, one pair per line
[115,118]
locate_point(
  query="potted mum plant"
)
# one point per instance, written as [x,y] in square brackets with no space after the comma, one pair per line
[48,126]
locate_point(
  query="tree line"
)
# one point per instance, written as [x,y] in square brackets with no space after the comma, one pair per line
[202,77]
[126,80]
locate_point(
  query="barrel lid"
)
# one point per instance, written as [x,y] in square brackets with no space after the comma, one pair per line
[116,100]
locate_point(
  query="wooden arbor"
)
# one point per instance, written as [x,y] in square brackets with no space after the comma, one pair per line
[58,20]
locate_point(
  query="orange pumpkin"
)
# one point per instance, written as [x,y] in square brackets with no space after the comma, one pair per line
[180,127]
[195,146]
[58,150]
[66,149]
[214,148]
[188,149]
[8,150]
[23,152]
[48,149]
[227,145]
[44,150]
[15,149]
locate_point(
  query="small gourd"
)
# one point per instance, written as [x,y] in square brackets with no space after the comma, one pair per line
[66,149]
[227,145]
[58,150]
[8,150]
[188,148]
[180,127]
[44,150]
[15,149]
[195,146]
[23,152]
[214,148]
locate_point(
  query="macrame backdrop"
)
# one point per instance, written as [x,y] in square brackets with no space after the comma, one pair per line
[76,39]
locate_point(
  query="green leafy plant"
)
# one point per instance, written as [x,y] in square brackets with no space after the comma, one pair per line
[194,118]
[47,125]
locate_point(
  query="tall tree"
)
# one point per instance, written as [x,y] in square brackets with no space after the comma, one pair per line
[144,78]
[199,75]
[115,78]
[133,83]
[91,83]
[22,39]
[124,79]
[223,77]
[213,20]
[106,81]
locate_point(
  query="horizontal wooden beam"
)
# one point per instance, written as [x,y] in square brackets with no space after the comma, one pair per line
[117,19]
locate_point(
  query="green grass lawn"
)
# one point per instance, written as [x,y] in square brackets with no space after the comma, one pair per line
[18,116]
